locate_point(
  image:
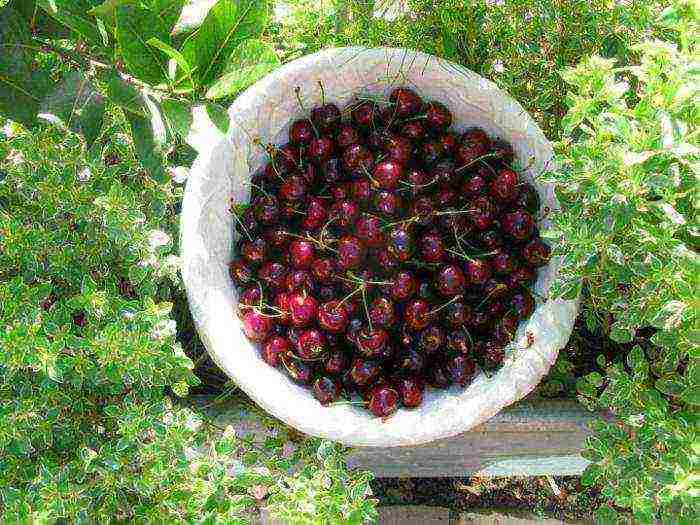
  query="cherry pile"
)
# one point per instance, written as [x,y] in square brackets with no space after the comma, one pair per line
[382,252]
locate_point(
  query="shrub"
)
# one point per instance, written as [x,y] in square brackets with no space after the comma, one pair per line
[628,182]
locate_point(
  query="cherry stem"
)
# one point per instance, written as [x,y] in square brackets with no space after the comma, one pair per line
[364,302]
[245,230]
[323,93]
[478,159]
[433,312]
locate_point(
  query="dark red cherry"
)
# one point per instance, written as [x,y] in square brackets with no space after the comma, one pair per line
[273,275]
[382,313]
[320,150]
[522,304]
[277,237]
[266,209]
[368,229]
[341,191]
[437,116]
[357,160]
[364,113]
[525,275]
[302,309]
[351,252]
[502,262]
[330,171]
[254,251]
[410,390]
[536,253]
[448,141]
[273,173]
[387,203]
[430,152]
[386,174]
[273,349]
[494,308]
[299,371]
[477,136]
[345,213]
[438,377]
[251,296]
[491,239]
[336,362]
[456,314]
[474,185]
[400,242]
[431,248]
[417,314]
[287,157]
[326,293]
[310,345]
[422,209]
[325,270]
[504,332]
[316,214]
[326,390]
[413,130]
[504,186]
[383,401]
[477,271]
[528,199]
[371,341]
[459,341]
[467,153]
[301,132]
[502,151]
[482,212]
[247,221]
[326,118]
[256,325]
[518,224]
[493,289]
[364,371]
[361,191]
[333,316]
[410,361]
[399,149]
[460,369]
[418,181]
[450,280]
[301,253]
[444,172]
[493,355]
[405,101]
[377,138]
[281,305]
[298,280]
[240,272]
[386,262]
[347,134]
[403,286]
[480,321]
[431,339]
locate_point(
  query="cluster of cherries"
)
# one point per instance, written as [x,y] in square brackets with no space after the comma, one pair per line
[382,252]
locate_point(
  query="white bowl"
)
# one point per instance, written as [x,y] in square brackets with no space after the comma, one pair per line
[262,115]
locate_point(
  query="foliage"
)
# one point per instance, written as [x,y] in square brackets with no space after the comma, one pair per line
[629,185]
[89,360]
[139,56]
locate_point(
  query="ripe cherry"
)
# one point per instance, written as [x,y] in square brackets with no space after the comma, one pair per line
[240,272]
[382,313]
[254,251]
[450,280]
[403,286]
[491,239]
[364,113]
[277,237]
[528,199]
[333,316]
[325,270]
[320,150]
[266,209]
[400,242]
[301,132]
[282,311]
[431,339]
[444,172]
[437,116]
[387,174]
[310,345]
[410,390]
[460,369]
[347,134]
[298,280]
[417,314]
[456,314]
[482,212]
[405,101]
[522,304]
[413,130]
[474,185]
[475,135]
[477,271]
[316,214]
[331,171]
[287,158]
[251,296]
[368,229]
[273,349]
[448,141]
[410,361]
[386,262]
[399,149]
[383,401]
[371,341]
[431,248]
[467,153]
[387,203]
[502,262]
[504,186]
[438,377]
[502,151]
[422,209]
[361,191]
[364,371]
[431,151]
[351,252]
[336,362]
[493,354]
[302,309]
[273,275]
[518,224]
[536,253]
[326,390]
[326,117]
[357,159]
[301,253]
[459,341]
[256,325]
[299,371]
[345,213]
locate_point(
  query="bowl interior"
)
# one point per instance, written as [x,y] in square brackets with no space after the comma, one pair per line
[221,177]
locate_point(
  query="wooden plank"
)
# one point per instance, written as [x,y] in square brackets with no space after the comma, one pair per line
[529,439]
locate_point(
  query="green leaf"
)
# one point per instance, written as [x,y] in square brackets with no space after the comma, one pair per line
[621,333]
[73,14]
[123,94]
[147,149]
[691,395]
[178,116]
[249,62]
[174,54]
[135,26]
[228,23]
[669,387]
[22,85]
[39,22]
[219,116]
[168,10]
[75,105]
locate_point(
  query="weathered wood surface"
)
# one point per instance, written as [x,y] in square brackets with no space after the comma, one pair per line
[528,439]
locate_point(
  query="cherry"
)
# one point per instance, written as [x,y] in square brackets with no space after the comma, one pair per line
[459,341]
[361,191]
[320,150]
[528,199]
[272,172]
[474,185]
[341,191]
[277,237]
[325,270]
[345,213]
[480,321]
[289,211]
[347,134]
[298,280]
[240,272]
[457,314]
[405,101]
[302,309]
[383,401]
[363,114]
[493,354]
[502,151]
[422,209]
[287,157]
[491,239]
[504,186]
[256,325]
[418,181]
[522,304]
[251,296]
[431,339]
[247,221]
[387,174]
[333,316]
[387,203]
[503,262]
[494,308]
[478,271]
[382,313]
[351,252]
[301,132]
[316,214]
[524,275]
[444,172]
[475,135]
[325,117]
[504,331]
[410,361]
[273,349]
[482,212]
[413,130]
[266,209]
[467,153]
[357,159]
[310,345]
[410,390]
[431,248]
[518,224]
[400,242]
[417,314]
[281,305]
[386,262]
[494,289]
[450,280]
[364,371]
[368,229]
[448,141]
[431,152]
[371,341]
[301,253]
[273,275]
[399,149]
[377,138]
[536,253]
[299,371]
[336,362]
[460,369]
[437,116]
[403,286]
[438,377]
[326,390]
[254,251]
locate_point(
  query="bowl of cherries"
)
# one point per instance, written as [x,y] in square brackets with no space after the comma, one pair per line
[363,252]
